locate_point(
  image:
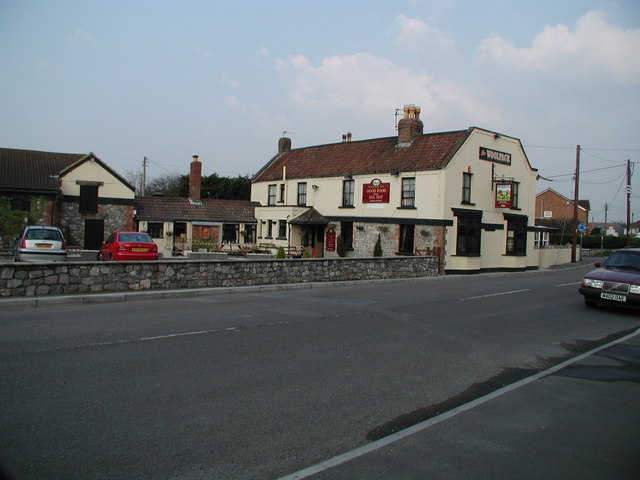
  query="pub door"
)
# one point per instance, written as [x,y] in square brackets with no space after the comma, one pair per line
[93,234]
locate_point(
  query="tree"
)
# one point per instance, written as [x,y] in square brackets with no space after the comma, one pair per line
[11,221]
[169,185]
[341,250]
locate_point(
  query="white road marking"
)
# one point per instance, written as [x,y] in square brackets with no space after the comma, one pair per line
[497,294]
[567,284]
[393,438]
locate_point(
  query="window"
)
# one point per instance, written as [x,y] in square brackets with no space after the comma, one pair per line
[272,195]
[302,193]
[514,195]
[282,229]
[249,233]
[468,235]
[348,188]
[516,236]
[88,199]
[346,230]
[155,229]
[542,240]
[406,239]
[408,192]
[229,233]
[269,229]
[282,187]
[466,187]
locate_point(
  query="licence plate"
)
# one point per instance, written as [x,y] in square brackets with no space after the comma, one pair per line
[43,245]
[611,296]
[138,249]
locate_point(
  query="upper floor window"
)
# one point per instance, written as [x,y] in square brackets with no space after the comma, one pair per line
[88,199]
[514,194]
[302,193]
[282,190]
[408,192]
[466,187]
[348,189]
[272,195]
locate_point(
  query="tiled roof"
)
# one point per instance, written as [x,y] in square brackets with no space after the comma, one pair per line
[33,171]
[310,217]
[426,152]
[182,210]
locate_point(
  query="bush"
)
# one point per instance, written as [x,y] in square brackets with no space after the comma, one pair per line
[340,248]
[377,249]
[280,253]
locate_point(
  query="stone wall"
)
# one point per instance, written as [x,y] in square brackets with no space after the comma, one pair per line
[34,279]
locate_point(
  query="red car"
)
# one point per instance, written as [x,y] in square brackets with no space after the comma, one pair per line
[615,282]
[128,246]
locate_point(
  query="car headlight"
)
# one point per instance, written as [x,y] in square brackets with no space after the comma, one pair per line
[590,282]
[635,289]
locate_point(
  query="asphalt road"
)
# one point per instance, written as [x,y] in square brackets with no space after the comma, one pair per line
[257,385]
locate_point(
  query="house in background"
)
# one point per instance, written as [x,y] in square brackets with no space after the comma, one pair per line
[81,194]
[556,210]
[195,223]
[466,196]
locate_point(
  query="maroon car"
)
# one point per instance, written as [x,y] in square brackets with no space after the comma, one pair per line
[616,281]
[128,246]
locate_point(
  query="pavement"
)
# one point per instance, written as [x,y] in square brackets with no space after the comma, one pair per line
[577,420]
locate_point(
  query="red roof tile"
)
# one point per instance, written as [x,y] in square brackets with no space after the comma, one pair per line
[181,209]
[426,152]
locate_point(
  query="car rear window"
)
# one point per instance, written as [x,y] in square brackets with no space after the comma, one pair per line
[42,234]
[135,237]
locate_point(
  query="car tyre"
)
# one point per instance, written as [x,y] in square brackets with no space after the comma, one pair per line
[590,303]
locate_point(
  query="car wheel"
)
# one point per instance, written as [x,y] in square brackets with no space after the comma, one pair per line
[590,303]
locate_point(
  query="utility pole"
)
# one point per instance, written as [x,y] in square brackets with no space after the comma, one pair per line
[574,241]
[144,176]
[606,207]
[628,202]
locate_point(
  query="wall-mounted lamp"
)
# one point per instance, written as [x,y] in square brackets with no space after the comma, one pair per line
[395,172]
[348,176]
[496,136]
[315,187]
[264,222]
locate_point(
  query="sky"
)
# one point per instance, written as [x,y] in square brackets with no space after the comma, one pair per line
[223,79]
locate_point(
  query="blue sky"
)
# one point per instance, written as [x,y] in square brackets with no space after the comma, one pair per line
[223,79]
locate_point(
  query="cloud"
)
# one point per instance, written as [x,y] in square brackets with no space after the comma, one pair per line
[80,38]
[375,85]
[226,79]
[203,51]
[416,36]
[592,50]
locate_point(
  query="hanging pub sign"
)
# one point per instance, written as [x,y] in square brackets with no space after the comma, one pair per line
[375,192]
[503,195]
[330,242]
[495,156]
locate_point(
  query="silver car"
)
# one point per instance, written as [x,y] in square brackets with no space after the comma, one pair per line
[41,244]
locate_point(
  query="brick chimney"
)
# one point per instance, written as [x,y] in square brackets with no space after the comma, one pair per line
[195,180]
[410,126]
[284,145]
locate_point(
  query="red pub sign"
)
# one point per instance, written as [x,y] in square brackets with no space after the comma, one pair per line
[375,192]
[330,243]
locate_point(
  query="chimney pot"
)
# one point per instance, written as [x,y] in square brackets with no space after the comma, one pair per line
[284,145]
[410,126]
[195,180]
[348,136]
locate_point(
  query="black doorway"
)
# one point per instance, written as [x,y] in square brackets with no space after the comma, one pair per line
[93,234]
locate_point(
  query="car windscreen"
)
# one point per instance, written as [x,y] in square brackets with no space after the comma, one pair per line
[134,237]
[43,234]
[624,259]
